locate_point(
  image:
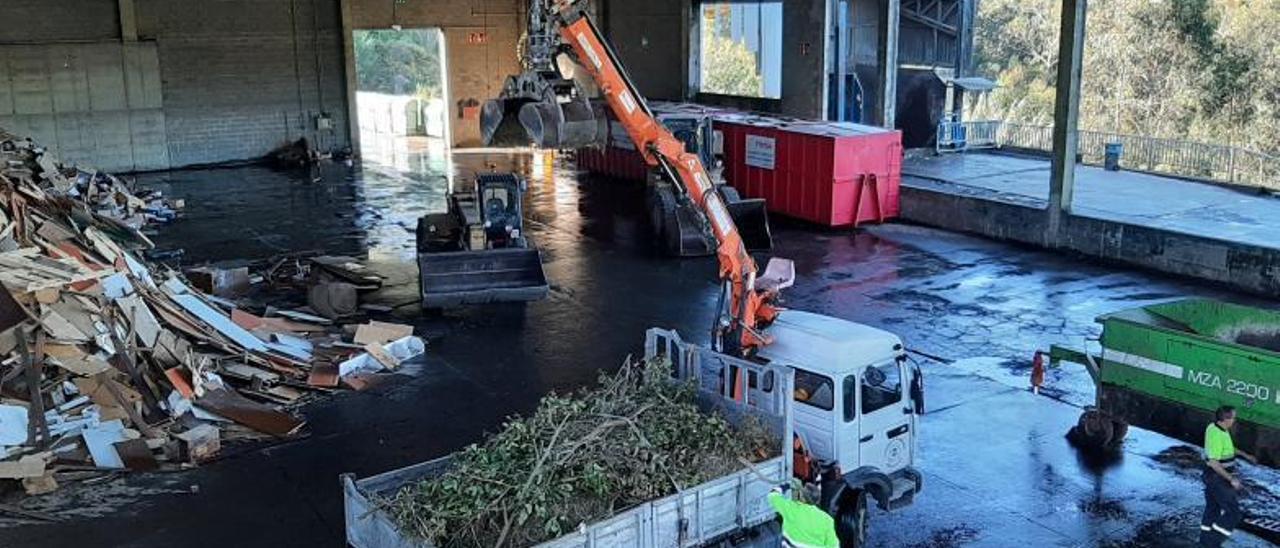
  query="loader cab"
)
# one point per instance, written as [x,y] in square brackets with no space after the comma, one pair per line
[856,401]
[500,203]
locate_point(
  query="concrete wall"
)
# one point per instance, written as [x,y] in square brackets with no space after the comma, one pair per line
[804,58]
[44,21]
[651,38]
[97,104]
[480,47]
[244,76]
[1025,220]
[209,81]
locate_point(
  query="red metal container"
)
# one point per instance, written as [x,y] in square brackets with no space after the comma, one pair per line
[830,173]
[618,157]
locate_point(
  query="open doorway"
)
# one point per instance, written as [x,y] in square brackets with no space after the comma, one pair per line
[401,94]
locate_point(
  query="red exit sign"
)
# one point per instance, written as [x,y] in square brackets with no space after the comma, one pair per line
[477,38]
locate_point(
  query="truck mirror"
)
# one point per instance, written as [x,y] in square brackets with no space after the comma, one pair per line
[917,390]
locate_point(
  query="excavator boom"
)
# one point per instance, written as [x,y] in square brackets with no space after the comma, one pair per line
[750,304]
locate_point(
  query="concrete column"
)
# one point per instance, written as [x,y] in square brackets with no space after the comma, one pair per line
[805,44]
[128,21]
[888,49]
[349,70]
[964,58]
[1066,113]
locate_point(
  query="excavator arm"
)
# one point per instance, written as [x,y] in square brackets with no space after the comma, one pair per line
[749,298]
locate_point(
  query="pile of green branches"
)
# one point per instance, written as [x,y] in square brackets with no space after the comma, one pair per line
[578,458]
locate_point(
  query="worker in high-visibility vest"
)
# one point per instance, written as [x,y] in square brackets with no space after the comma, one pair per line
[1221,482]
[803,525]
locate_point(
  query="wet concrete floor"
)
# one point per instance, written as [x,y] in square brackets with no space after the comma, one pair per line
[998,471]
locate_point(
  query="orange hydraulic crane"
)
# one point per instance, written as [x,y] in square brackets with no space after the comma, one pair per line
[555,114]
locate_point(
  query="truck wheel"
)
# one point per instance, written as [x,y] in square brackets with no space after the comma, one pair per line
[1094,430]
[851,523]
[1119,430]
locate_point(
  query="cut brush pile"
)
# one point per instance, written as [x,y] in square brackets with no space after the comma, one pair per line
[577,459]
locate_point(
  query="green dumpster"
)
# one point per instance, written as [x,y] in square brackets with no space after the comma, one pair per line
[1166,367]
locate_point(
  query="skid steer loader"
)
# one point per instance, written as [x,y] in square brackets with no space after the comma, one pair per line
[477,252]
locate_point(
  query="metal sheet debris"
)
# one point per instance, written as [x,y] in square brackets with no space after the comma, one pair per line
[101,442]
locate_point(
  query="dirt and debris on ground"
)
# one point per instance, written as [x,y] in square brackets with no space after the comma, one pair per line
[108,363]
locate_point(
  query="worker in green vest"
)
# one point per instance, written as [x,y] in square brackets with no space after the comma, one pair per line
[1221,483]
[803,525]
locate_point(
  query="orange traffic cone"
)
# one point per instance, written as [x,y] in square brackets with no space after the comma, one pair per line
[1037,372]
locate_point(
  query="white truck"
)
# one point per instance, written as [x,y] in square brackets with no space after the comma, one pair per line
[839,394]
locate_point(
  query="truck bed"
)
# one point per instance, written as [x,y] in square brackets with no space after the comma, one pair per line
[695,516]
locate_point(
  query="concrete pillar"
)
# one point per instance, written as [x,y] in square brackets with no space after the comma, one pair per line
[128,21]
[349,70]
[1066,113]
[804,58]
[964,58]
[888,61]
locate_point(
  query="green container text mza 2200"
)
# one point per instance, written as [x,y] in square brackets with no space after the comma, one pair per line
[1166,367]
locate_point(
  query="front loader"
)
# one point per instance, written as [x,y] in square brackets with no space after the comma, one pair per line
[477,252]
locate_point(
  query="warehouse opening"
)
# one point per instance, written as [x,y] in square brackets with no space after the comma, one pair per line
[740,48]
[401,94]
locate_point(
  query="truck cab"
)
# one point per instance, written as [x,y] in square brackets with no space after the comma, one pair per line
[855,415]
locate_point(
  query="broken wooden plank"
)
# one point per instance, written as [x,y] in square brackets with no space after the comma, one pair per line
[380,333]
[199,444]
[136,455]
[257,416]
[29,466]
[324,375]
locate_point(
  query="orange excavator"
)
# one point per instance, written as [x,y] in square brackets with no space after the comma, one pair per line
[544,106]
[857,399]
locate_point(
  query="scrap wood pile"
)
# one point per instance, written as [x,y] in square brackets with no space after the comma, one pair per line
[114,202]
[108,364]
[578,459]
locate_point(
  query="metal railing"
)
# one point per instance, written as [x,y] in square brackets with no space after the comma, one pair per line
[960,136]
[1212,162]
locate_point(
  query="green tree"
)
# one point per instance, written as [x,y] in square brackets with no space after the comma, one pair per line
[729,67]
[399,62]
[1205,70]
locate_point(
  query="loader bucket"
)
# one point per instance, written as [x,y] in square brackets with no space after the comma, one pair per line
[752,220]
[477,277]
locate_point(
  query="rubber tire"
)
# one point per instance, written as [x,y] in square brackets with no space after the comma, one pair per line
[666,231]
[1119,430]
[1095,429]
[851,521]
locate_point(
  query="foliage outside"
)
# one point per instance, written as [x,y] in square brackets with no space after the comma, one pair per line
[404,62]
[729,67]
[578,459]
[1201,70]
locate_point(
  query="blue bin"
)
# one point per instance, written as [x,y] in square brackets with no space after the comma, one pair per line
[1111,156]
